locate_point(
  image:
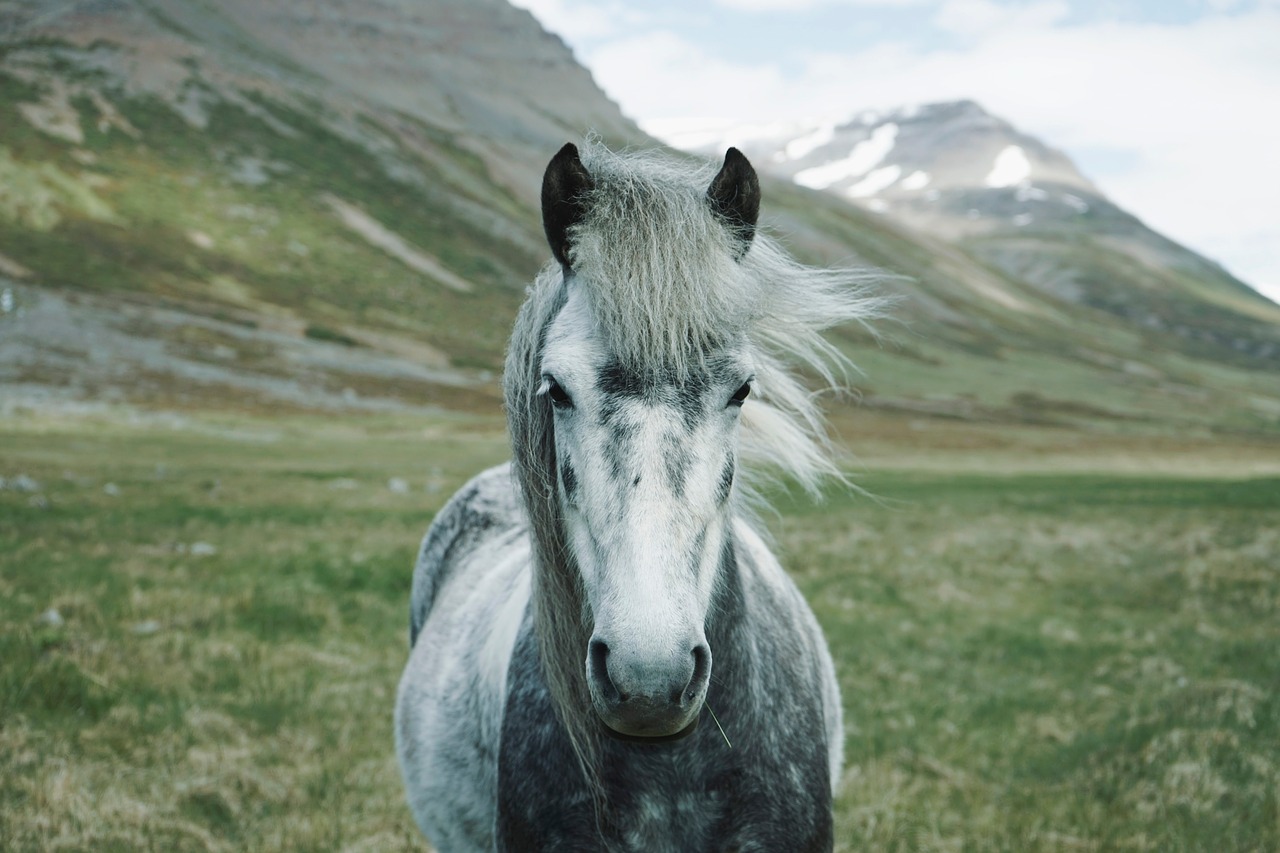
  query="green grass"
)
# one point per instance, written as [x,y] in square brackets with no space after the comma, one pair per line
[1039,661]
[239,699]
[1046,662]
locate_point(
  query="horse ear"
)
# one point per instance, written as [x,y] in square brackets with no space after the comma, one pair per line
[734,196]
[564,186]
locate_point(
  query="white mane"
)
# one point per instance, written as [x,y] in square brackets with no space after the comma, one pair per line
[660,271]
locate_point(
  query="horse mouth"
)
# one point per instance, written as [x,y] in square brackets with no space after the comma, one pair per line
[648,739]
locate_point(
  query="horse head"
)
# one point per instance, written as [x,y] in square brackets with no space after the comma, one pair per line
[646,444]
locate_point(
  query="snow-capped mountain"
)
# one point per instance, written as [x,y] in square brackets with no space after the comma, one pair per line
[954,171]
[923,164]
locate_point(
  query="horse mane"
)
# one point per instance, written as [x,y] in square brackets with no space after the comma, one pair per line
[668,286]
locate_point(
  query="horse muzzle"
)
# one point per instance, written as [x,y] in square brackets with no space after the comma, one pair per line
[648,697]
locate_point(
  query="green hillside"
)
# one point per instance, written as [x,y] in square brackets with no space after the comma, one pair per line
[235,219]
[243,217]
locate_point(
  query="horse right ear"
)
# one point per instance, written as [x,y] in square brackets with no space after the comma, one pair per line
[564,189]
[734,196]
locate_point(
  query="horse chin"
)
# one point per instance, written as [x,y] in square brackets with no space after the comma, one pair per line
[654,738]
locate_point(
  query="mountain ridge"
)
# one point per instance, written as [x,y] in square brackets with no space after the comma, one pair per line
[954,170]
[279,170]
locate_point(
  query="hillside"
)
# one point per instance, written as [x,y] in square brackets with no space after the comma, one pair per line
[347,174]
[335,206]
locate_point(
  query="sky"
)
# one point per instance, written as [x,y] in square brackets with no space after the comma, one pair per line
[1172,107]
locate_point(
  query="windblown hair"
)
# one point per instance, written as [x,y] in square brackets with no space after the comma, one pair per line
[669,285]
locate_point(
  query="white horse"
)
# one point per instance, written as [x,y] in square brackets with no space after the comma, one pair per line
[605,654]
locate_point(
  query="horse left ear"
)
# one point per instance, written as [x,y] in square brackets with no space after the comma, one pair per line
[734,196]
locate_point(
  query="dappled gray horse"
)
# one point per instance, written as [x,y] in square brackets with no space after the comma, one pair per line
[605,654]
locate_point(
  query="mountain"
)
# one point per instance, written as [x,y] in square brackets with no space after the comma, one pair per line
[902,157]
[955,171]
[352,174]
[335,205]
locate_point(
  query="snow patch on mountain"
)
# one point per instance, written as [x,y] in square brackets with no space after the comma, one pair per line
[917,180]
[810,142]
[864,157]
[1076,203]
[1011,168]
[873,183]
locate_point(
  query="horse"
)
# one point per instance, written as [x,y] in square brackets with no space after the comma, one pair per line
[604,652]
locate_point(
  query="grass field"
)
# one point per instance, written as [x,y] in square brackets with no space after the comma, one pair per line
[203,619]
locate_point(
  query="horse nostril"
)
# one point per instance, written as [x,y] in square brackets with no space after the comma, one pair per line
[701,671]
[598,657]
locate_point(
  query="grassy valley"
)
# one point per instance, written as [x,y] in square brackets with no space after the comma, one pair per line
[253,305]
[203,621]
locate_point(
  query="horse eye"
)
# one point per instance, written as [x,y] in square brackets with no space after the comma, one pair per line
[559,397]
[740,396]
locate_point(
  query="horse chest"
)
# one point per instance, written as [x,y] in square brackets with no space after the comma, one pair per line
[665,809]
[660,814]
[695,795]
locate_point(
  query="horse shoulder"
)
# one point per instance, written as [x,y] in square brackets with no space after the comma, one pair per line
[486,505]
[470,595]
[765,578]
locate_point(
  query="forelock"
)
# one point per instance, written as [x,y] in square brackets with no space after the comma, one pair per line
[656,263]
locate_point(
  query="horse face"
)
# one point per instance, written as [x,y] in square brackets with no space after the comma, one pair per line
[646,470]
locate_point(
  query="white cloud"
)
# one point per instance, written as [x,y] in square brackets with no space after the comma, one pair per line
[801,5]
[576,21]
[662,75]
[1192,104]
[978,17]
